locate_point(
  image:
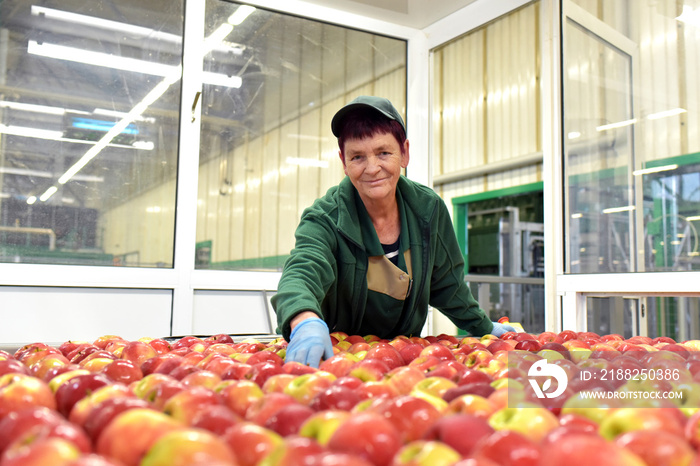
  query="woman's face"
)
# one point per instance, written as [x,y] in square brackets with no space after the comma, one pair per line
[374,165]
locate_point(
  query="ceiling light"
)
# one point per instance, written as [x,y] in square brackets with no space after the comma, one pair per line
[646,171]
[116,26]
[117,62]
[210,43]
[613,210]
[240,15]
[37,133]
[49,192]
[619,124]
[103,24]
[666,113]
[32,108]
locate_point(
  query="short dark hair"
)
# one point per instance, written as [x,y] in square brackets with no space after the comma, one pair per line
[365,123]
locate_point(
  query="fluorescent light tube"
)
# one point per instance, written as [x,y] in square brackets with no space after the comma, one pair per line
[666,113]
[240,15]
[646,171]
[117,62]
[619,124]
[36,133]
[48,193]
[613,210]
[104,24]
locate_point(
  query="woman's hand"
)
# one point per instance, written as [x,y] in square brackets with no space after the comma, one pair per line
[309,341]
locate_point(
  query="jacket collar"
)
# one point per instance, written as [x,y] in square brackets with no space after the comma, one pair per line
[348,212]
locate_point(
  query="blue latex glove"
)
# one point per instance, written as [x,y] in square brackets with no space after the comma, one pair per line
[309,342]
[499,329]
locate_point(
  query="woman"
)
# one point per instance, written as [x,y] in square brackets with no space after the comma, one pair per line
[376,250]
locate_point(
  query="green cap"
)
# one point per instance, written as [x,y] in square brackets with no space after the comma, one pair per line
[380,104]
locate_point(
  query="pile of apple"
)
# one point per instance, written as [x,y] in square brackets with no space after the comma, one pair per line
[434,401]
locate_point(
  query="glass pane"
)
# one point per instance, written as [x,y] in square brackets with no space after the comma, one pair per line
[267,151]
[599,153]
[89,101]
[672,216]
[676,317]
[632,136]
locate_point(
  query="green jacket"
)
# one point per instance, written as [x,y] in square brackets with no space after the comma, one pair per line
[327,270]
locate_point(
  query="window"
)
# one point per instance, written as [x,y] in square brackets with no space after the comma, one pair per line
[89,108]
[267,151]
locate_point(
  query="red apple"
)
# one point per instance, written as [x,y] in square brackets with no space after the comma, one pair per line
[184,405]
[185,447]
[74,389]
[335,397]
[21,391]
[528,345]
[585,449]
[386,353]
[82,408]
[104,412]
[411,416]
[278,382]
[251,442]
[371,369]
[629,419]
[476,388]
[531,420]
[304,387]
[403,378]
[424,363]
[410,352]
[338,364]
[294,451]
[16,423]
[449,369]
[549,337]
[368,435]
[122,371]
[499,345]
[426,453]
[138,352]
[509,448]
[437,350]
[160,345]
[287,420]
[42,367]
[450,430]
[130,434]
[12,366]
[63,430]
[185,342]
[262,409]
[659,448]
[43,451]
[215,418]
[69,346]
[238,371]
[476,405]
[239,395]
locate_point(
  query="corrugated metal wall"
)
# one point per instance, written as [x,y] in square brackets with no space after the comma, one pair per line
[487,103]
[268,194]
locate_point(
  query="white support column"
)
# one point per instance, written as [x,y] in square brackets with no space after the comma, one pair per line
[188,164]
[575,315]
